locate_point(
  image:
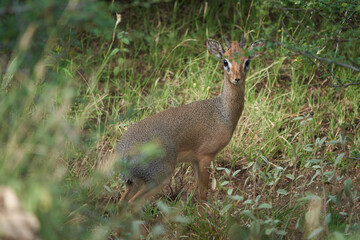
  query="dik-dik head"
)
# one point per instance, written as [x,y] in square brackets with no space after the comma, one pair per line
[236,59]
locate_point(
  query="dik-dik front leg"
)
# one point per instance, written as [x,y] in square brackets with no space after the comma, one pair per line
[203,175]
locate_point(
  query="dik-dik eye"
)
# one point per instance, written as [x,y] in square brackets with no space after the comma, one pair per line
[246,65]
[226,65]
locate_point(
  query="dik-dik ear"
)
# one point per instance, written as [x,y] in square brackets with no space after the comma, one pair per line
[254,48]
[215,48]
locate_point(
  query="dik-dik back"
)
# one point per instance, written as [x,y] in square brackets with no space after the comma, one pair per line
[194,133]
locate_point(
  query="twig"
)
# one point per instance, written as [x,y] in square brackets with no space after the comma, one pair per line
[309,55]
[318,58]
[335,38]
[18,9]
[344,85]
[292,9]
[284,26]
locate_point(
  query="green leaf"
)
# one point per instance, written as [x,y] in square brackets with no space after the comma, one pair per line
[125,41]
[224,183]
[116,71]
[157,230]
[298,118]
[264,159]
[300,176]
[164,207]
[311,161]
[182,219]
[249,165]
[269,231]
[114,51]
[315,233]
[316,166]
[237,198]
[249,214]
[308,148]
[339,178]
[320,142]
[333,142]
[332,198]
[348,184]
[282,192]
[339,158]
[309,198]
[249,201]
[290,176]
[257,198]
[339,197]
[226,209]
[329,174]
[236,172]
[327,219]
[278,168]
[317,173]
[108,189]
[281,232]
[265,205]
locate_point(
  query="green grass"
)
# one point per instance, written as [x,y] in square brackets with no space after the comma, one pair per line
[59,131]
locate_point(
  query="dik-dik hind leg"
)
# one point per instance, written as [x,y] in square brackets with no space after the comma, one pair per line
[147,191]
[130,191]
[135,191]
[203,175]
[126,193]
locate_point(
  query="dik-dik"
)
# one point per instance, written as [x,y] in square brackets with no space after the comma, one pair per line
[193,133]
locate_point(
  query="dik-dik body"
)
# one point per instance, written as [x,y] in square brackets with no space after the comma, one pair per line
[194,133]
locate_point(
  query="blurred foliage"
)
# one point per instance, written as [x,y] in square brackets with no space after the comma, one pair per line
[51,19]
[36,133]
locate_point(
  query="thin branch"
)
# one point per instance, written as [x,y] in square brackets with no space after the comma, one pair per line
[335,38]
[285,28]
[310,59]
[351,61]
[18,9]
[318,58]
[337,63]
[339,39]
[291,9]
[310,56]
[344,85]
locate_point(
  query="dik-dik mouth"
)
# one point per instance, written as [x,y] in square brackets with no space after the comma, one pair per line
[237,81]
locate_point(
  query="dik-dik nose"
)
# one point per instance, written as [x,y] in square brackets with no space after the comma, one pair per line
[237,79]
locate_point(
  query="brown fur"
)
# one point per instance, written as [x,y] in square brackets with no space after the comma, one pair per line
[194,133]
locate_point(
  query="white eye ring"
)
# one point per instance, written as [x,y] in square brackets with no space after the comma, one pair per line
[246,65]
[227,65]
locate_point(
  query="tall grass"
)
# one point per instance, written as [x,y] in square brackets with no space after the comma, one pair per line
[62,113]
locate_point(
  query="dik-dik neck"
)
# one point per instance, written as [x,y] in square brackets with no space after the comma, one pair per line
[232,99]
